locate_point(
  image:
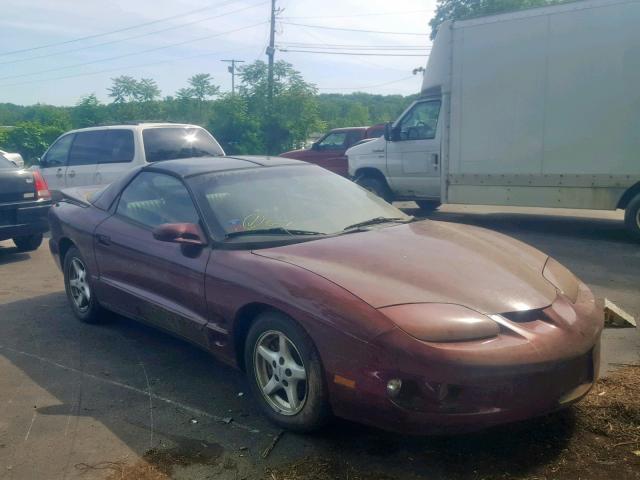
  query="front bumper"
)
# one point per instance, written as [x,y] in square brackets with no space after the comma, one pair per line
[467,386]
[25,218]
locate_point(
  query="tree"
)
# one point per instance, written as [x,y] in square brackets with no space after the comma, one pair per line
[201,87]
[124,89]
[234,127]
[294,115]
[88,112]
[146,90]
[461,9]
[31,139]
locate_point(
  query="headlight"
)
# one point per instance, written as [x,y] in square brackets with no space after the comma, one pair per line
[561,278]
[441,322]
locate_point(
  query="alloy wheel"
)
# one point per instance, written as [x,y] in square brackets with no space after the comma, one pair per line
[280,372]
[79,285]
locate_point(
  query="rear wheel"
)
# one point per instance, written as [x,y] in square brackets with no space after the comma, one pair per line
[78,287]
[376,186]
[632,217]
[28,243]
[285,373]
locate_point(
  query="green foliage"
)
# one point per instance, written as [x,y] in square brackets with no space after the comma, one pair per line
[88,112]
[295,106]
[30,139]
[461,9]
[242,123]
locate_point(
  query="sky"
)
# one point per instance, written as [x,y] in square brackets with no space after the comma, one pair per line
[42,59]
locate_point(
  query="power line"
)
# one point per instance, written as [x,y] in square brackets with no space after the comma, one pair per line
[324,27]
[366,54]
[353,47]
[369,86]
[97,35]
[120,40]
[117,57]
[358,15]
[118,69]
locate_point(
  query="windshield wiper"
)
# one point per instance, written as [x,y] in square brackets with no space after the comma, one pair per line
[272,231]
[377,220]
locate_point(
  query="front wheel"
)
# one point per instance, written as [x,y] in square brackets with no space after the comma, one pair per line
[632,217]
[28,243]
[376,186]
[285,373]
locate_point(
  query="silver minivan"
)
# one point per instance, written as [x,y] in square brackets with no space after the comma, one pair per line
[99,155]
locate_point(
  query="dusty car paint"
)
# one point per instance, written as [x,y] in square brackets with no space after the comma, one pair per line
[345,291]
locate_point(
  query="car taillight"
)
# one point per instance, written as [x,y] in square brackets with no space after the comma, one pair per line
[42,189]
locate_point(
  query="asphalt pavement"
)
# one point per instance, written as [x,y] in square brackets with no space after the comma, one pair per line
[80,401]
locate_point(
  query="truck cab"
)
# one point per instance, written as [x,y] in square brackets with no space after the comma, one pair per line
[404,163]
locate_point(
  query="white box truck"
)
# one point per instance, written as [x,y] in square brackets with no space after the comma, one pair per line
[534,108]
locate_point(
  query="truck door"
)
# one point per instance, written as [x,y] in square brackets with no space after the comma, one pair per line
[413,153]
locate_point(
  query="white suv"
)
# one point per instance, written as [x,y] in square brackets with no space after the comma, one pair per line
[99,155]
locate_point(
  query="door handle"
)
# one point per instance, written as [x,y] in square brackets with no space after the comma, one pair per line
[72,173]
[59,173]
[436,159]
[103,239]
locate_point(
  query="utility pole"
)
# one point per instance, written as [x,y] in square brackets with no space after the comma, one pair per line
[271,50]
[232,71]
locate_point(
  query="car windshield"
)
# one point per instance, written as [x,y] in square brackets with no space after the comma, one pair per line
[299,201]
[169,143]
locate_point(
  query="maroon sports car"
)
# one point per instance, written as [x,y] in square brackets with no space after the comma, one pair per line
[331,300]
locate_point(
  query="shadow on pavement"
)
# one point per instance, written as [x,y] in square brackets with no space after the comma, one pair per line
[518,224]
[158,394]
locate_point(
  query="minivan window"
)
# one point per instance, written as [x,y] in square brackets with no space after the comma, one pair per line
[168,143]
[121,146]
[102,146]
[88,148]
[57,155]
[4,163]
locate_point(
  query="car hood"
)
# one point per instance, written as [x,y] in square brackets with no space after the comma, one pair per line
[428,262]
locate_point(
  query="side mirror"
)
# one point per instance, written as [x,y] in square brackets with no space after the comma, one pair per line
[388,132]
[183,233]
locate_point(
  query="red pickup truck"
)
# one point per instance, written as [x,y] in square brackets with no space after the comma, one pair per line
[328,151]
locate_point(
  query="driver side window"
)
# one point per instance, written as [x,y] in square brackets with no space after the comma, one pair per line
[152,199]
[421,122]
[333,141]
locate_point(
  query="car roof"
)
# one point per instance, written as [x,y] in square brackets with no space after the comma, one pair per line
[188,167]
[135,126]
[348,129]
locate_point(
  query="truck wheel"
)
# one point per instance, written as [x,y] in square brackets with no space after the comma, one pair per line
[28,243]
[376,186]
[632,217]
[428,206]
[285,373]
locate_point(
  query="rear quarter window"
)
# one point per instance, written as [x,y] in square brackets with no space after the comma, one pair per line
[178,142]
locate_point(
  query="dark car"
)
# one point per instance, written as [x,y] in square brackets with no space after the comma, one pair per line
[24,203]
[329,151]
[360,312]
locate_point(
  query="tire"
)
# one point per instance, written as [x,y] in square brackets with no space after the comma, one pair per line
[632,217]
[28,243]
[428,206]
[376,186]
[310,410]
[80,294]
